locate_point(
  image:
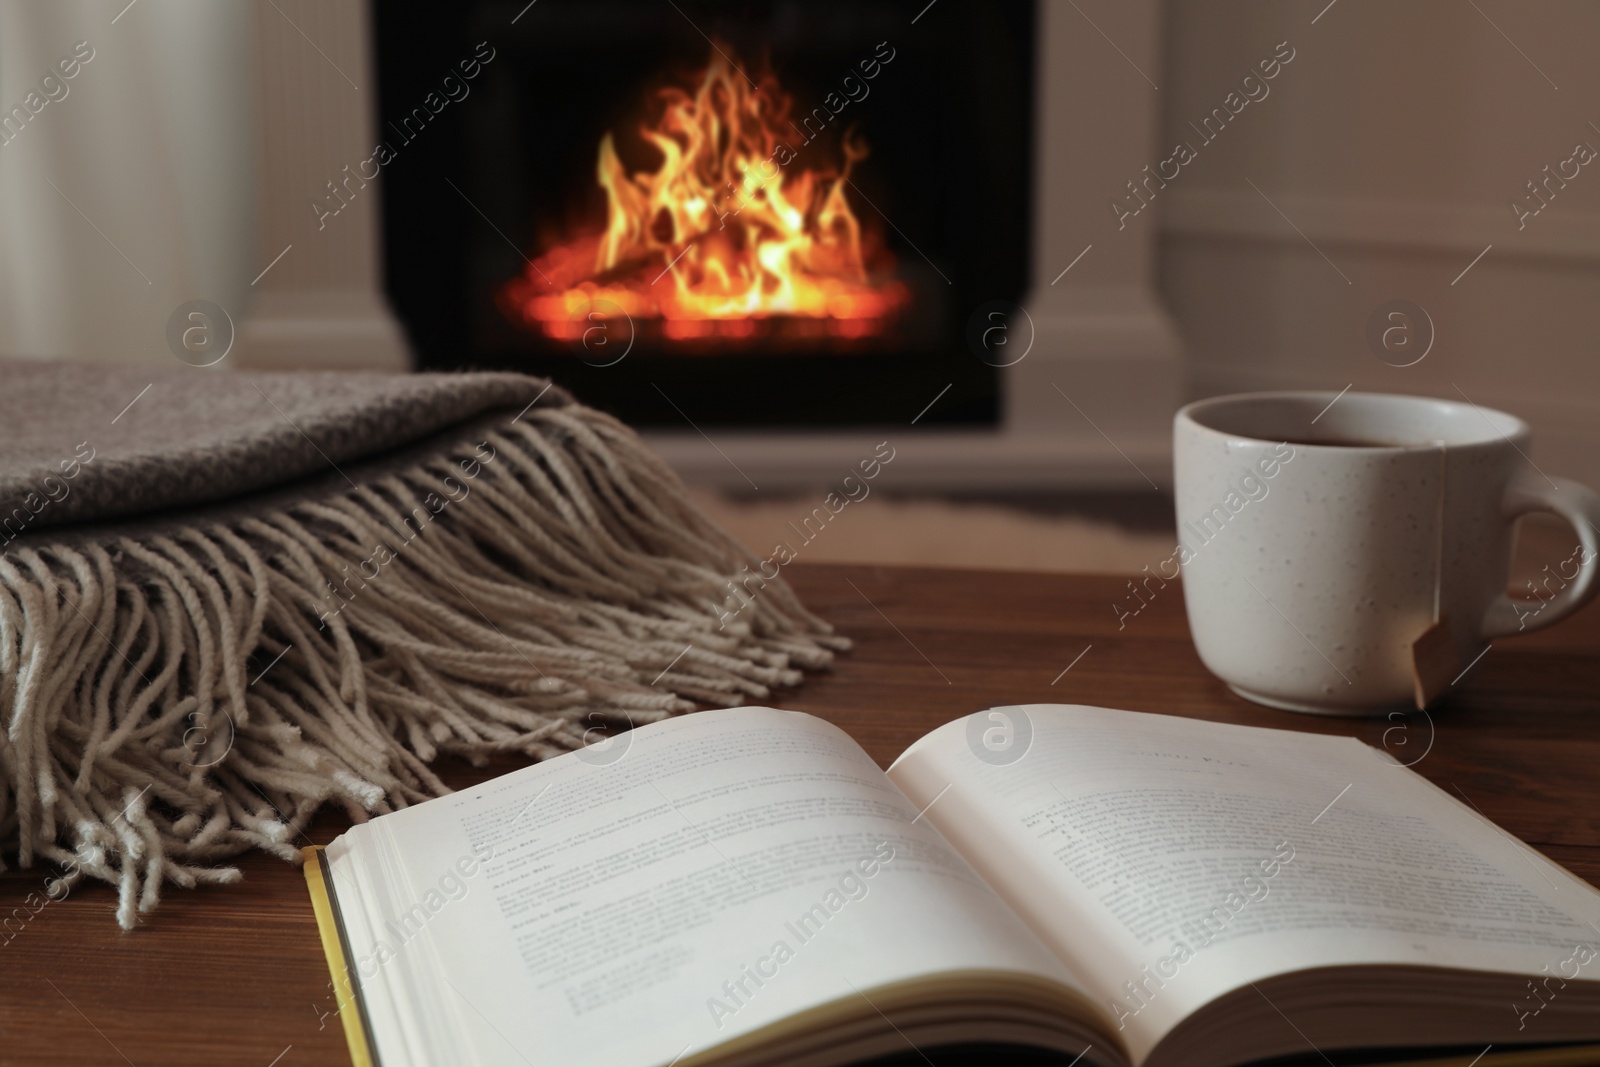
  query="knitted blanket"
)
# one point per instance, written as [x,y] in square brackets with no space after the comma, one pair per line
[229,599]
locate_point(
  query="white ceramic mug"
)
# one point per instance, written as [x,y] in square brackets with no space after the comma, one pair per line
[1321,535]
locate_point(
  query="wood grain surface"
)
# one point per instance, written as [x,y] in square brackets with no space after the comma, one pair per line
[235,975]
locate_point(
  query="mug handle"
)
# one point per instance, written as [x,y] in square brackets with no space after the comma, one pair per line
[1580,506]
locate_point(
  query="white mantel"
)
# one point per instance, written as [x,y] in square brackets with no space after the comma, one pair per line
[321,305]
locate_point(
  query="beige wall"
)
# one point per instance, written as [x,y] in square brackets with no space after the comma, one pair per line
[1394,140]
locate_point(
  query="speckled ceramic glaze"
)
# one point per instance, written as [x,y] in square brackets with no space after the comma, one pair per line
[1310,565]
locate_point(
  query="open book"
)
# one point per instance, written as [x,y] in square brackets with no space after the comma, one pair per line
[748,887]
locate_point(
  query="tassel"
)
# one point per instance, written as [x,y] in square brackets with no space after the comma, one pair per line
[175,698]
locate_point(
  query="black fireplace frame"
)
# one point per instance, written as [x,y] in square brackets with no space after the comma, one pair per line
[452,223]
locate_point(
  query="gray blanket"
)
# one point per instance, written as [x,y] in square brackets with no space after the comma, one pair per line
[175,438]
[229,599]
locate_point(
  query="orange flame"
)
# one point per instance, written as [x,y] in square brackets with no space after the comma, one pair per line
[719,234]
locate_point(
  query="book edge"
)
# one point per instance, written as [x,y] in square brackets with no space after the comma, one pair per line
[330,930]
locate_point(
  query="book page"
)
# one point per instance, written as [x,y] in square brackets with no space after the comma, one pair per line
[1172,860]
[695,880]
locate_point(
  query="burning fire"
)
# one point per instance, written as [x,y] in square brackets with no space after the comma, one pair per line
[722,236]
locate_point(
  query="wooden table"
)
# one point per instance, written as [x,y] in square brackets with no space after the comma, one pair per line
[236,975]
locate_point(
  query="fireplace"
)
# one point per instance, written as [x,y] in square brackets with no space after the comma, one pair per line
[768,213]
[770,233]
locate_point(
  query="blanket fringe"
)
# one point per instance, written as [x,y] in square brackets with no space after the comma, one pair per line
[174,699]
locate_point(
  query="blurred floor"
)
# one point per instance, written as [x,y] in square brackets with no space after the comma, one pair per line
[1108,533]
[1083,534]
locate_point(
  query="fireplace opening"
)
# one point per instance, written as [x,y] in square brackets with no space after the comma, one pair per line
[762,214]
